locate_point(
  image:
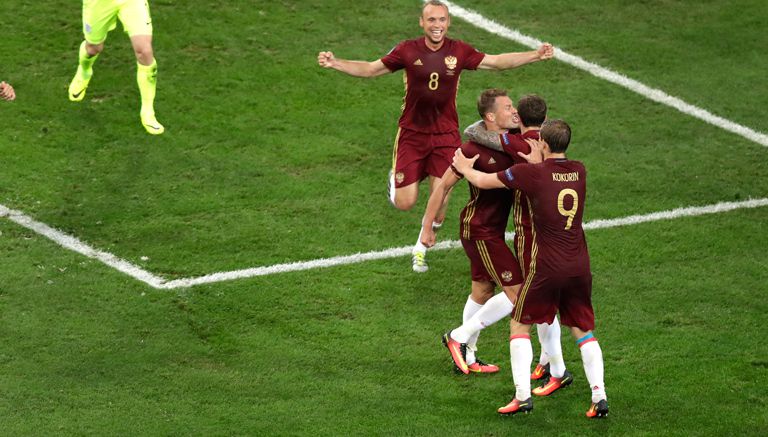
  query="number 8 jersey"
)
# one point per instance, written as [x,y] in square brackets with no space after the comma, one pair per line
[431,81]
[556,189]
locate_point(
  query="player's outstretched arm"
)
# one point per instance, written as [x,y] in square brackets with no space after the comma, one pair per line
[484,181]
[7,92]
[476,132]
[352,68]
[506,61]
[437,199]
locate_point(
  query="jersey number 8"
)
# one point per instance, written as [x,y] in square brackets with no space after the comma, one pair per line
[433,84]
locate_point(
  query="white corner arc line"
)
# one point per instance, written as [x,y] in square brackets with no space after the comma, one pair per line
[75,245]
[154,281]
[654,94]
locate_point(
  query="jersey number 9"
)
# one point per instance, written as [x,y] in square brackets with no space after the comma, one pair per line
[570,213]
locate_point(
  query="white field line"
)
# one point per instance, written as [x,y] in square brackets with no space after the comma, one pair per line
[654,94]
[72,243]
[142,275]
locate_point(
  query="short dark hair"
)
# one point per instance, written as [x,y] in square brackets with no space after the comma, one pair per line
[557,134]
[532,110]
[487,100]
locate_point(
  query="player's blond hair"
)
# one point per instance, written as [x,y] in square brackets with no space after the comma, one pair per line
[434,3]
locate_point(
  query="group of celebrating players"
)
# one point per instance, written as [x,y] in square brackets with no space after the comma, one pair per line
[515,163]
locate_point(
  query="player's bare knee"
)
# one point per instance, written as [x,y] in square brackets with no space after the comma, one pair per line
[144,55]
[404,202]
[482,291]
[93,49]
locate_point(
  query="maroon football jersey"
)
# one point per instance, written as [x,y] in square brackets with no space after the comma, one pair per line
[487,211]
[556,189]
[512,143]
[431,80]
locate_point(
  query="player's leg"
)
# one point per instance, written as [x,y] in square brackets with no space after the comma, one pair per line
[419,251]
[521,357]
[491,262]
[405,197]
[482,291]
[552,352]
[146,79]
[577,313]
[592,357]
[438,155]
[138,25]
[547,333]
[408,161]
[408,169]
[536,303]
[98,19]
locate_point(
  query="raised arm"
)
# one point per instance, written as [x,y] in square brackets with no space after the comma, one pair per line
[484,181]
[477,133]
[436,201]
[506,61]
[352,68]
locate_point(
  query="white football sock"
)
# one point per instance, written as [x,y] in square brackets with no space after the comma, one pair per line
[418,247]
[521,357]
[592,356]
[549,337]
[495,309]
[470,308]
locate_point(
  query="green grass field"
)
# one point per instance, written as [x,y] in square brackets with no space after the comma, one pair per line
[269,159]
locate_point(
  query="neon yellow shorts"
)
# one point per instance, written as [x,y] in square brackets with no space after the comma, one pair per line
[100,17]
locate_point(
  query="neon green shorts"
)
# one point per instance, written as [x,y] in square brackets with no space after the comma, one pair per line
[100,17]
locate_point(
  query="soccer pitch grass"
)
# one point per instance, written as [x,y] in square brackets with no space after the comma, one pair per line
[268,159]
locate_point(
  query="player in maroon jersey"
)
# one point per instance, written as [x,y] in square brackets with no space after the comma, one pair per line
[532,111]
[483,222]
[559,278]
[428,128]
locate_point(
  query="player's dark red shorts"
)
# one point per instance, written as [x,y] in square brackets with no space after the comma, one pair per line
[492,261]
[543,295]
[418,155]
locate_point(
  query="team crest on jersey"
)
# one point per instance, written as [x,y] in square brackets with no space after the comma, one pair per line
[399,176]
[451,62]
[506,276]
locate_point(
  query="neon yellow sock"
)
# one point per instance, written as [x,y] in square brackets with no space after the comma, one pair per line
[146,77]
[85,66]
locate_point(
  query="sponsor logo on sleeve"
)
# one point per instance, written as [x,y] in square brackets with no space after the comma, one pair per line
[509,175]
